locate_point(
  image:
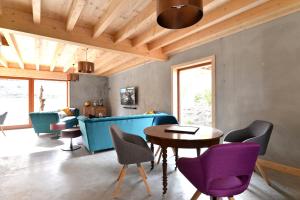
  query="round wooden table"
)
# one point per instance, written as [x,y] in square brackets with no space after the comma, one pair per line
[203,138]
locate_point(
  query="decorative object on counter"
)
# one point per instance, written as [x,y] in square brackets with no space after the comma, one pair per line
[95,103]
[87,103]
[150,112]
[101,102]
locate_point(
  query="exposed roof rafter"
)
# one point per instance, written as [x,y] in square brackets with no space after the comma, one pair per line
[74,13]
[36,11]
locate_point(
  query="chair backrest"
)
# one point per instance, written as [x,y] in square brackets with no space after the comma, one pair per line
[261,133]
[2,118]
[119,143]
[165,119]
[260,127]
[225,160]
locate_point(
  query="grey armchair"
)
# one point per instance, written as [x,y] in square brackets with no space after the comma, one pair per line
[259,132]
[130,149]
[2,119]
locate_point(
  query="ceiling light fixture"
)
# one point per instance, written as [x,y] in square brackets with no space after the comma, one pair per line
[177,14]
[85,66]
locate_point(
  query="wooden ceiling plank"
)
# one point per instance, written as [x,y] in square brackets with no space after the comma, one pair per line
[74,13]
[3,61]
[112,12]
[124,66]
[117,61]
[156,31]
[224,12]
[13,45]
[136,22]
[36,11]
[72,59]
[38,44]
[58,51]
[255,16]
[18,21]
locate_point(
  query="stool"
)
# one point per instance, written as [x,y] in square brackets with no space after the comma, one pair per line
[57,127]
[71,133]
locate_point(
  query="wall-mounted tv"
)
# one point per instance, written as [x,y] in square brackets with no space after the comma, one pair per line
[128,96]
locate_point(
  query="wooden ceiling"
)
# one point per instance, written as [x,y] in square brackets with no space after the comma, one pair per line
[53,35]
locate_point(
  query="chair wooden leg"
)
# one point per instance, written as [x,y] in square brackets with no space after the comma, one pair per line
[159,157]
[2,130]
[262,173]
[142,174]
[230,198]
[157,151]
[119,183]
[196,195]
[120,173]
[144,171]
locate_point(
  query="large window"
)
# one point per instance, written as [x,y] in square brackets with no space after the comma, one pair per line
[14,99]
[54,93]
[194,92]
[19,97]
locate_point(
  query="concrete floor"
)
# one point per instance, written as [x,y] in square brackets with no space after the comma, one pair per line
[34,168]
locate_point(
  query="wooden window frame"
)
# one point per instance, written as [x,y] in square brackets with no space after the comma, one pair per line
[176,83]
[31,99]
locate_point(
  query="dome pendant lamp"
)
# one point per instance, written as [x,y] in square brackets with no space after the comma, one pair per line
[176,14]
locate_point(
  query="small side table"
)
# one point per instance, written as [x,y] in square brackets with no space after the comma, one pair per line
[71,133]
[57,127]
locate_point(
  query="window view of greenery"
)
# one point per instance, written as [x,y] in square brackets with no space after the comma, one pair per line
[196,96]
[14,100]
[54,94]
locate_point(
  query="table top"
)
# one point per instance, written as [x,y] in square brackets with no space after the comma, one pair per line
[203,133]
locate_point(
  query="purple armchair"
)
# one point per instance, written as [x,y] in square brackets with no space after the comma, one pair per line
[222,171]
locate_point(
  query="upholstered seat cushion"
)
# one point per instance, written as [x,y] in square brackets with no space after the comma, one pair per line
[225,183]
[69,119]
[227,186]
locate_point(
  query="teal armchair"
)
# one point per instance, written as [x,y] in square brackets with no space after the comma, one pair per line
[41,120]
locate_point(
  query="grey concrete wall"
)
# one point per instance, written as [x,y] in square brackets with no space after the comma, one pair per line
[257,77]
[89,87]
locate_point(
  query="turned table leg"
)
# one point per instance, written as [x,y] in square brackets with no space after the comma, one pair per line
[176,158]
[164,166]
[152,149]
[198,151]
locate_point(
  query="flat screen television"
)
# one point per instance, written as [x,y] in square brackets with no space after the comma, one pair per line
[128,96]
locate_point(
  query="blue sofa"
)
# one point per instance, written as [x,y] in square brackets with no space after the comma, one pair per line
[95,131]
[41,120]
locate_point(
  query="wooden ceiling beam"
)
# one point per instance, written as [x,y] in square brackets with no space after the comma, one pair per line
[13,45]
[112,12]
[124,66]
[36,11]
[156,31]
[26,73]
[255,16]
[226,11]
[74,13]
[58,51]
[3,61]
[16,21]
[136,22]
